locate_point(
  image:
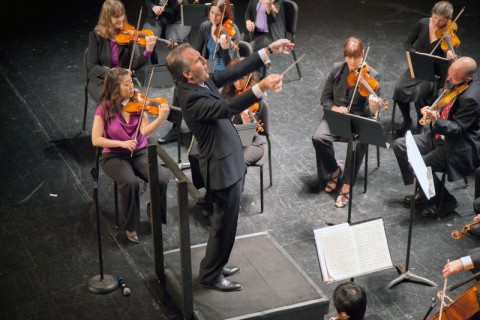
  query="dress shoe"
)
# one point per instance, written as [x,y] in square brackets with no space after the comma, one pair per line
[171,136]
[403,128]
[419,200]
[133,239]
[448,206]
[223,285]
[230,271]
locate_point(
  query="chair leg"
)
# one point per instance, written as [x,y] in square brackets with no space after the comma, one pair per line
[366,172]
[261,189]
[297,65]
[269,159]
[392,124]
[85,108]
[440,199]
[378,157]
[115,192]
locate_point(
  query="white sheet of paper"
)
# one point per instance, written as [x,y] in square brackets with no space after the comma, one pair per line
[415,159]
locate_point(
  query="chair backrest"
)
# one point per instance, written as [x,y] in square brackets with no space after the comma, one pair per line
[291,13]
[245,47]
[264,116]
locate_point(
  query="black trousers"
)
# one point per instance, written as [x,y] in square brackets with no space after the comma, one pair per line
[223,228]
[322,141]
[434,155]
[125,171]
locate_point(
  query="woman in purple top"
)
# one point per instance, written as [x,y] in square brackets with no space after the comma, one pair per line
[104,52]
[124,152]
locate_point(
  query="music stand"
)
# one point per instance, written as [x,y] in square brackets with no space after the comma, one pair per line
[424,176]
[354,129]
[428,67]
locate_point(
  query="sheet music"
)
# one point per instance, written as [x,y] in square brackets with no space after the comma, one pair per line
[346,251]
[421,172]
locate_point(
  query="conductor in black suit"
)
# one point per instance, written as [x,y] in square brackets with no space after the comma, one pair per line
[221,161]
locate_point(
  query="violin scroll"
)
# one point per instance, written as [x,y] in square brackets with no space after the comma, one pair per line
[459,235]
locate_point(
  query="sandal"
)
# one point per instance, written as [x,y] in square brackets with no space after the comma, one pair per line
[342,200]
[333,180]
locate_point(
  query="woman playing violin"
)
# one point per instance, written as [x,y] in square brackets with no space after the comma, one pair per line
[255,151]
[124,151]
[104,52]
[421,39]
[265,22]
[455,148]
[336,96]
[212,40]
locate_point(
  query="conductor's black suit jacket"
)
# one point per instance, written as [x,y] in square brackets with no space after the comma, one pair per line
[208,115]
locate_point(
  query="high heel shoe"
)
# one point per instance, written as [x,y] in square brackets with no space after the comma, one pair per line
[403,128]
[133,239]
[333,182]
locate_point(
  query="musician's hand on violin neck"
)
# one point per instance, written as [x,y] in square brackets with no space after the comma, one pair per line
[452,267]
[158,10]
[151,41]
[450,55]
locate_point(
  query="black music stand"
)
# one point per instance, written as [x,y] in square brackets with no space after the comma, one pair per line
[420,170]
[354,129]
[428,67]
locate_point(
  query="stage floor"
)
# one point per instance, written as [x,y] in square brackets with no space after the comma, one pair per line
[48,234]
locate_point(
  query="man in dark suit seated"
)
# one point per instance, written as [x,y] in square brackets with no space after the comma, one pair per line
[455,145]
[221,161]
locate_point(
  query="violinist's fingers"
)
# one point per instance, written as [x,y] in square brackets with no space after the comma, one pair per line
[477,217]
[424,110]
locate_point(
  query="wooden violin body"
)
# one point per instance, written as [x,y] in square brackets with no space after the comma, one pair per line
[129,34]
[463,307]
[135,105]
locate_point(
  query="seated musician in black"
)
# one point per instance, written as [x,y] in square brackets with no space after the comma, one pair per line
[455,146]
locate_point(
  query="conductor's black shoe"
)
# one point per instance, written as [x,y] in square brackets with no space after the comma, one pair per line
[230,271]
[475,230]
[432,211]
[419,200]
[223,284]
[171,136]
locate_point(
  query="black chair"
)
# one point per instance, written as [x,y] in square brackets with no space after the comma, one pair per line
[245,48]
[85,74]
[291,13]
[264,117]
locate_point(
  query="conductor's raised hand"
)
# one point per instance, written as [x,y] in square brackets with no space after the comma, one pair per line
[272,82]
[284,46]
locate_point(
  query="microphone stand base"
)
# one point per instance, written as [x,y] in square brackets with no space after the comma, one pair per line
[106,285]
[408,276]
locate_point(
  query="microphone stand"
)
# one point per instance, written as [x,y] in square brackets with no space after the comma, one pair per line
[101,283]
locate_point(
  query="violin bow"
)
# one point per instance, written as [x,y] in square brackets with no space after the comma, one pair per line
[364,63]
[143,107]
[442,302]
[446,32]
[135,39]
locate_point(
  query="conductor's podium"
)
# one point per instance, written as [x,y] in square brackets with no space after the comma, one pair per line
[274,285]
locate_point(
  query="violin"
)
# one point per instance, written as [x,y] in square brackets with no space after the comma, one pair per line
[447,95]
[459,235]
[449,40]
[135,104]
[129,34]
[464,306]
[227,29]
[367,85]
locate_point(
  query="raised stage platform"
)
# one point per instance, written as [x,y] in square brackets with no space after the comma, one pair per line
[274,285]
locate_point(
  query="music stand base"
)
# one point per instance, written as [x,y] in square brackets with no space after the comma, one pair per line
[408,276]
[107,285]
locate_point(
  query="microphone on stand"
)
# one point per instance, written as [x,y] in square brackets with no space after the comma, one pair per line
[125,290]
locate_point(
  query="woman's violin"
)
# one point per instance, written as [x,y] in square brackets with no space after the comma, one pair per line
[129,34]
[447,36]
[445,98]
[459,235]
[367,85]
[135,104]
[227,29]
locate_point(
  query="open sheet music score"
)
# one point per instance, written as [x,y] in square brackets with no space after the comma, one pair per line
[346,251]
